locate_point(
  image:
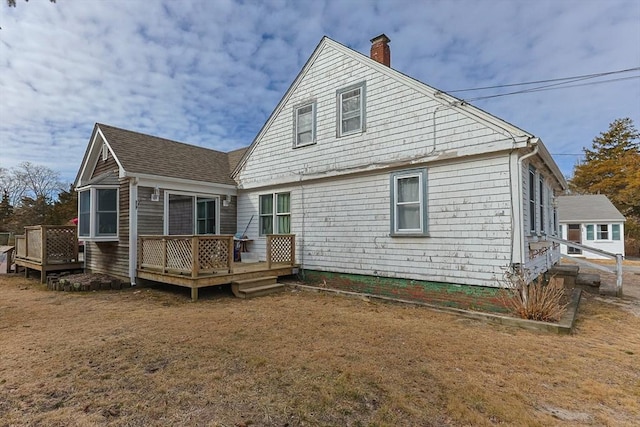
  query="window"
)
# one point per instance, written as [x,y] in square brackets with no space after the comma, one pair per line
[532,199]
[541,205]
[98,214]
[278,220]
[615,231]
[590,232]
[206,216]
[351,117]
[305,125]
[602,232]
[191,214]
[409,203]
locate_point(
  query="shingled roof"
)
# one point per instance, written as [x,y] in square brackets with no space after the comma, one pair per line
[588,208]
[139,153]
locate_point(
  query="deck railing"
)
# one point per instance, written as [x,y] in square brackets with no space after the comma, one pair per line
[617,257]
[281,248]
[175,254]
[48,244]
[197,255]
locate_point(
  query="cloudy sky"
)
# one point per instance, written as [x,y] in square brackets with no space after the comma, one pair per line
[209,72]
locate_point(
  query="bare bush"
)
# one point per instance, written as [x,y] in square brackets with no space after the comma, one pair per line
[535,300]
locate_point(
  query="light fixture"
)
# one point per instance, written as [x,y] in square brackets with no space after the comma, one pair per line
[155,196]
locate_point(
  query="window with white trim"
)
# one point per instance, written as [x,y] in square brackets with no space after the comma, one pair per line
[98,214]
[532,199]
[541,205]
[275,214]
[409,203]
[304,125]
[188,213]
[351,109]
[603,232]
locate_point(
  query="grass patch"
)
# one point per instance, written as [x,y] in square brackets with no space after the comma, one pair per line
[150,357]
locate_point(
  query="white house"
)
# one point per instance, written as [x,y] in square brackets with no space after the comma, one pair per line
[593,221]
[378,174]
[362,170]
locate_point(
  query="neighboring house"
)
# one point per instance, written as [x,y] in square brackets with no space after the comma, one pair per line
[376,174]
[130,184]
[593,221]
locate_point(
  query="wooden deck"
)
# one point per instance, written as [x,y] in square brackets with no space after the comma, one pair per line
[200,261]
[48,248]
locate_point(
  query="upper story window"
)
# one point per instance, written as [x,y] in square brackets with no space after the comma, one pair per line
[305,124]
[278,219]
[105,152]
[98,214]
[409,203]
[351,109]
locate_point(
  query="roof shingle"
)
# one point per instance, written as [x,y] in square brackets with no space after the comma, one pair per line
[139,153]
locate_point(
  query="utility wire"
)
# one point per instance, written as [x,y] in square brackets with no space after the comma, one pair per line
[585,76]
[551,87]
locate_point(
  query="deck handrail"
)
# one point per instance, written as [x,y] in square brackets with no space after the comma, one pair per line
[281,248]
[175,253]
[617,257]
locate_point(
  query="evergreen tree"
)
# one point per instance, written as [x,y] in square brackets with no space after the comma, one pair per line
[612,167]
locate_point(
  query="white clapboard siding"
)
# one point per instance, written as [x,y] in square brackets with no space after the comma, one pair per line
[402,123]
[340,195]
[343,225]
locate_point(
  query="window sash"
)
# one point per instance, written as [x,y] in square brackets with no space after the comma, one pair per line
[274,213]
[206,216]
[615,231]
[98,213]
[351,110]
[305,125]
[84,213]
[602,231]
[409,203]
[532,200]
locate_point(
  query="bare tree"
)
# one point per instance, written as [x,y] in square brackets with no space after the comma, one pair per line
[30,180]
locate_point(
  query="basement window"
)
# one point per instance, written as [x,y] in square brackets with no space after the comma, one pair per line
[98,214]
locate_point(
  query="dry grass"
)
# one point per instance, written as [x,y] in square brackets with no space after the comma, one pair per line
[150,357]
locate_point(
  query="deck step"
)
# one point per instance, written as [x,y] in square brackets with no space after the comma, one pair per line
[251,288]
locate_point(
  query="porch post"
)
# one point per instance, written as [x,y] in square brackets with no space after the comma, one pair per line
[195,256]
[619,275]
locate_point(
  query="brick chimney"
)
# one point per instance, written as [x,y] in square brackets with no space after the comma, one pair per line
[380,50]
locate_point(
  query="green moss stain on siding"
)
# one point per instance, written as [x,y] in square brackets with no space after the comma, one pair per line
[444,294]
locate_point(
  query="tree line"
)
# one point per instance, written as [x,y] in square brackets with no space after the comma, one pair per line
[34,194]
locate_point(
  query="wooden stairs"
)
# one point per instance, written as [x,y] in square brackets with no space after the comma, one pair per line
[252,288]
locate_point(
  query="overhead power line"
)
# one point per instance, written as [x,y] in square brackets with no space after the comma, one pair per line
[584,76]
[551,87]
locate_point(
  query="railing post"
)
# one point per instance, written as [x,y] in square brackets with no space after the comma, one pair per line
[230,253]
[269,250]
[43,244]
[164,255]
[195,256]
[619,275]
[292,257]
[26,243]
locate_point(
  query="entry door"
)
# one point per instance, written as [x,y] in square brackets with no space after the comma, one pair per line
[574,235]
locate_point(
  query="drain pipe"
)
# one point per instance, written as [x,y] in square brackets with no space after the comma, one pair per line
[520,228]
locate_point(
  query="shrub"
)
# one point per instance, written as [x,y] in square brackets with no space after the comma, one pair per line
[535,300]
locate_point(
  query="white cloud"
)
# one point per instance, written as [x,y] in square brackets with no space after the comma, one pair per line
[210,73]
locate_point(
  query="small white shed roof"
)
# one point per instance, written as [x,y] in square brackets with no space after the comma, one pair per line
[588,208]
